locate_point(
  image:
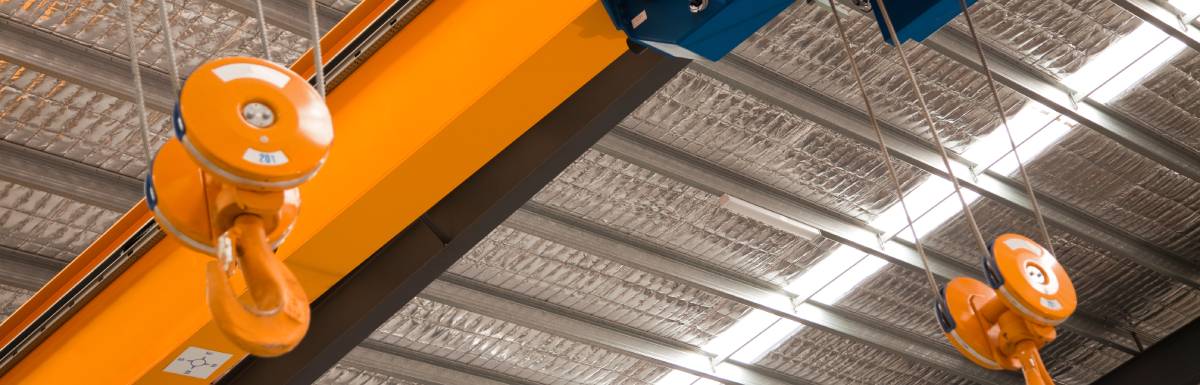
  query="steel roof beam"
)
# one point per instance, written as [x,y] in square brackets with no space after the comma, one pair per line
[69,60]
[26,270]
[67,178]
[491,304]
[798,99]
[1166,20]
[699,174]
[1052,93]
[288,15]
[398,362]
[559,227]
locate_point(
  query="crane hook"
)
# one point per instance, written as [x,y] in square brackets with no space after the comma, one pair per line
[278,318]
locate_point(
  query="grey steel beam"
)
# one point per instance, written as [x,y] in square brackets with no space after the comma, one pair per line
[289,15]
[509,310]
[812,105]
[398,362]
[74,62]
[547,223]
[1090,113]
[27,270]
[1166,20]
[695,172]
[67,178]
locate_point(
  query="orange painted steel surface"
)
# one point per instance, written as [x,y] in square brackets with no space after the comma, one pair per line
[430,107]
[1002,324]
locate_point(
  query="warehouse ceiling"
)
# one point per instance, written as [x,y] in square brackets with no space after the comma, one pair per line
[627,254]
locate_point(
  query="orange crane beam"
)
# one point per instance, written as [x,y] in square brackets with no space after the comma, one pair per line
[430,107]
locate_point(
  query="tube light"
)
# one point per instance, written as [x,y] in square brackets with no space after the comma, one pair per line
[768,217]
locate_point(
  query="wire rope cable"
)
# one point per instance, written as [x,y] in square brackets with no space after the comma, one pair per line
[937,140]
[262,29]
[318,64]
[887,156]
[136,68]
[169,41]
[987,72]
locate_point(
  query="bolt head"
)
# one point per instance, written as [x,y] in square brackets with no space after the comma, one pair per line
[258,114]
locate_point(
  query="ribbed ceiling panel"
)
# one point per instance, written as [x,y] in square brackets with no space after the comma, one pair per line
[203,30]
[829,359]
[12,298]
[1055,36]
[563,276]
[900,297]
[1166,100]
[341,5]
[1120,187]
[451,333]
[1109,285]
[1075,360]
[707,118]
[72,121]
[349,375]
[46,224]
[803,45]
[659,210]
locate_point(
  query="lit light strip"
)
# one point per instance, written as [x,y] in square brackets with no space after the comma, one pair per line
[1034,127]
[768,217]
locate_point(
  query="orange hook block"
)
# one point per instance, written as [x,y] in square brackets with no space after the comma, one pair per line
[1001,324]
[247,133]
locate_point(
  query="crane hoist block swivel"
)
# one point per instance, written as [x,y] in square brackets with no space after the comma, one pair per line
[247,133]
[1001,324]
[916,19]
[694,29]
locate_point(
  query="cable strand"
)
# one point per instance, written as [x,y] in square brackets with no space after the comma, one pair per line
[135,67]
[937,140]
[883,149]
[262,29]
[315,37]
[987,72]
[170,43]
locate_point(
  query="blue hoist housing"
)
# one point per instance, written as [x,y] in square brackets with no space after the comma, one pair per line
[916,19]
[693,29]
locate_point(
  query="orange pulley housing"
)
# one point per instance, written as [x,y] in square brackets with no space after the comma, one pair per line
[247,133]
[1001,324]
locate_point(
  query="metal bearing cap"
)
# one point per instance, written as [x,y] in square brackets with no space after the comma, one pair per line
[176,193]
[1030,280]
[253,123]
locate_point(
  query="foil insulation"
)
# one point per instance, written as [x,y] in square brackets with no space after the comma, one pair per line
[73,121]
[458,335]
[11,298]
[1120,187]
[341,5]
[803,45]
[1055,36]
[547,271]
[682,219]
[350,375]
[1074,360]
[899,297]
[203,30]
[704,117]
[1166,100]
[1109,286]
[48,225]
[829,359]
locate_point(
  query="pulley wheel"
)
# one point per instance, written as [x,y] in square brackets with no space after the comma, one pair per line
[176,193]
[1030,280]
[963,326]
[253,123]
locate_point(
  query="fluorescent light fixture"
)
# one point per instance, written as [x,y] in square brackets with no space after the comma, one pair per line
[843,285]
[768,217]
[677,377]
[824,271]
[742,331]
[1115,58]
[1149,63]
[781,331]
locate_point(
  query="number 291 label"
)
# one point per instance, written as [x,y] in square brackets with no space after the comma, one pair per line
[274,158]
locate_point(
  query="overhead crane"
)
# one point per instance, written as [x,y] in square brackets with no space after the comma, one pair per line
[447,116]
